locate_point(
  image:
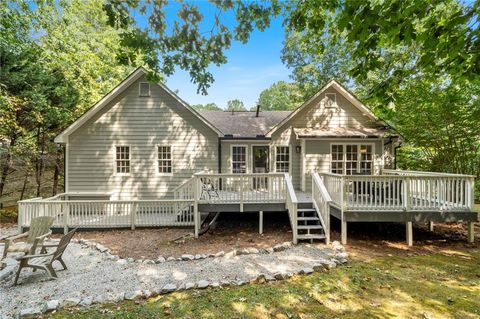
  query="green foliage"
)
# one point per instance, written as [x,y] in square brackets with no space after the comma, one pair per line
[8,215]
[280,96]
[235,105]
[206,107]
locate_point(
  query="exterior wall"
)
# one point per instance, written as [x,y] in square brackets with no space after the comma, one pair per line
[141,123]
[226,153]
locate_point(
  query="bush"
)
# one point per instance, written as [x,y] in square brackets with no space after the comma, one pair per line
[8,215]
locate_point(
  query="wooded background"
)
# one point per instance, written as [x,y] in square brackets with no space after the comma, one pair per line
[415,63]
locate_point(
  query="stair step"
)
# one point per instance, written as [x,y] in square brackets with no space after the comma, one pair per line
[303,210]
[309,227]
[311,236]
[307,218]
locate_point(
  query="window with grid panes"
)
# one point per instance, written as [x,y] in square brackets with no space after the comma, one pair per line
[337,159]
[282,159]
[164,159]
[239,159]
[122,159]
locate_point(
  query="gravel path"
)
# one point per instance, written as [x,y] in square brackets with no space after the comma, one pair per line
[94,275]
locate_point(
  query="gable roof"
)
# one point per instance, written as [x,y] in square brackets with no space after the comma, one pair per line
[342,90]
[245,124]
[129,80]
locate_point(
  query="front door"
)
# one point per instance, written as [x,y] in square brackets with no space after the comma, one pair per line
[260,164]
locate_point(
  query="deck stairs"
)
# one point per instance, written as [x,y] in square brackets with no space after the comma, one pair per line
[309,226]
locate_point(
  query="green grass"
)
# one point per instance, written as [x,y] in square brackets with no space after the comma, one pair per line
[428,286]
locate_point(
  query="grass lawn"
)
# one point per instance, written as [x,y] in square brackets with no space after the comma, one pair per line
[437,285]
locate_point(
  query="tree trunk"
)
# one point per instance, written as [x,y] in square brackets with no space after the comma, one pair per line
[6,165]
[56,173]
[39,162]
[25,182]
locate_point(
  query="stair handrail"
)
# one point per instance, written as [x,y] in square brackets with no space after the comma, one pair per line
[321,202]
[291,203]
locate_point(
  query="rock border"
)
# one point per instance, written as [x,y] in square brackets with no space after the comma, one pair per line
[185,257]
[339,256]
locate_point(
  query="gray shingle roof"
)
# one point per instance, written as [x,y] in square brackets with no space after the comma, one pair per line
[244,124]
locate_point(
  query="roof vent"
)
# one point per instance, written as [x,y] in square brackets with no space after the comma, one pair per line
[258,110]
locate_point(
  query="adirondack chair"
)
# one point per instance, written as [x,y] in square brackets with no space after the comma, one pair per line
[39,230]
[44,260]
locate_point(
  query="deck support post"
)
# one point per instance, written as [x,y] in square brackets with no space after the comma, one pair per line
[344,232]
[430,226]
[410,234]
[471,232]
[196,214]
[260,222]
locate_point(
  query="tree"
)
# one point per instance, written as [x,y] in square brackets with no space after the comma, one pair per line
[206,107]
[280,96]
[235,105]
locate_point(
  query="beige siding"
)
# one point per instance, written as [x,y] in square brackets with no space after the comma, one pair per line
[141,123]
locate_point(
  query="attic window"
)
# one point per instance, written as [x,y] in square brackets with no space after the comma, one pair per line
[330,100]
[144,89]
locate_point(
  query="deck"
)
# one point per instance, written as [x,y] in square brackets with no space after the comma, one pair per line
[394,196]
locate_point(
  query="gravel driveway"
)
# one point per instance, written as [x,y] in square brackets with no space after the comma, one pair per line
[93,275]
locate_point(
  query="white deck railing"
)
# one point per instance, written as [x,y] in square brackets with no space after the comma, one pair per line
[107,213]
[397,190]
[291,203]
[321,201]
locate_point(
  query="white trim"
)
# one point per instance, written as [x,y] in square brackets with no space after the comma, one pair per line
[149,89]
[303,166]
[337,86]
[157,168]
[66,165]
[289,157]
[115,159]
[246,157]
[251,157]
[358,144]
[134,76]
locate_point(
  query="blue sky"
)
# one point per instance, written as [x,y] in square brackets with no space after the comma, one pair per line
[250,69]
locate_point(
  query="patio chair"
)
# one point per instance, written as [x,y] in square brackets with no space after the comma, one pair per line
[38,231]
[44,260]
[208,189]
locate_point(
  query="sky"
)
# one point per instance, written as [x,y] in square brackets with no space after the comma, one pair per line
[250,69]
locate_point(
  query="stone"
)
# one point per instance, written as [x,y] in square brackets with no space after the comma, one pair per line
[279,247]
[287,244]
[101,248]
[329,265]
[253,250]
[224,283]
[240,282]
[147,293]
[342,255]
[279,276]
[202,284]
[99,299]
[87,301]
[171,258]
[220,254]
[70,302]
[118,297]
[189,285]
[269,278]
[307,271]
[160,260]
[318,267]
[122,261]
[212,255]
[215,284]
[198,256]
[261,279]
[269,250]
[51,305]
[27,312]
[168,288]
[231,254]
[149,262]
[130,260]
[133,295]
[242,252]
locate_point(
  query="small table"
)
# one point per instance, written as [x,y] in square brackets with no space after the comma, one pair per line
[7,267]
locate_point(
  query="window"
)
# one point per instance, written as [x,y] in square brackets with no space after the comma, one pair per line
[144,89]
[282,159]
[122,159]
[330,100]
[239,159]
[164,159]
[352,159]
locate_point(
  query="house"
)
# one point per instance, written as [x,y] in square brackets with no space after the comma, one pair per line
[142,156]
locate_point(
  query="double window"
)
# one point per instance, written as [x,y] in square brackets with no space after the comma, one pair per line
[239,159]
[351,159]
[123,159]
[282,159]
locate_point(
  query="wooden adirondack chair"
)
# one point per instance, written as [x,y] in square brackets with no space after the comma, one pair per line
[44,261]
[39,230]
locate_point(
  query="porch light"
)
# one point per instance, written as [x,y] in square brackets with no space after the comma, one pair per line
[298,149]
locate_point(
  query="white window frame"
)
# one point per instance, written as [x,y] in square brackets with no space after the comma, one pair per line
[269,156]
[359,161]
[328,96]
[289,158]
[246,157]
[140,91]
[115,160]
[157,160]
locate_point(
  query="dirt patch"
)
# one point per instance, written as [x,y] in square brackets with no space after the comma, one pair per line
[232,231]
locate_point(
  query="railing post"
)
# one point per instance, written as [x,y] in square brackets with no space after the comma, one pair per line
[66,215]
[196,194]
[472,194]
[406,199]
[242,185]
[133,215]
[295,223]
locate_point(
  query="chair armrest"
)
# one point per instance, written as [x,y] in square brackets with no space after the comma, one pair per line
[35,256]
[38,242]
[16,236]
[44,235]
